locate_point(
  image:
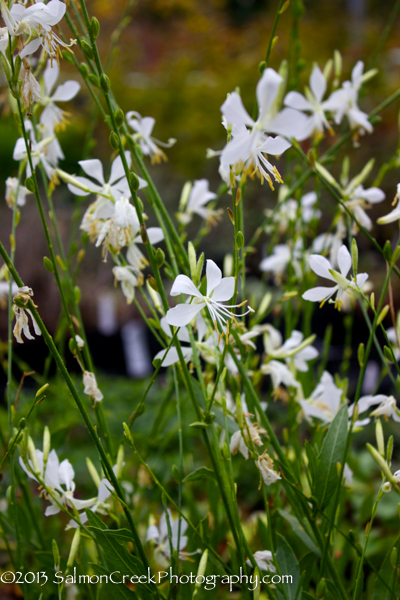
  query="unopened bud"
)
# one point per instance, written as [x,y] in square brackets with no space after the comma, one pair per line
[361,354]
[105,83]
[160,257]
[387,251]
[354,256]
[192,262]
[199,267]
[114,141]
[262,66]
[388,354]
[383,314]
[84,70]
[380,440]
[93,472]
[48,265]
[56,556]
[87,49]
[29,184]
[119,117]
[94,80]
[74,547]
[232,218]
[153,283]
[134,182]
[239,411]
[33,456]
[95,27]
[67,56]
[143,233]
[128,434]
[239,240]
[120,461]
[46,444]
[202,568]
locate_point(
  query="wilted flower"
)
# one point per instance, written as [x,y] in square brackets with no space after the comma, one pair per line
[90,386]
[129,281]
[15,192]
[21,314]
[265,464]
[264,560]
[30,91]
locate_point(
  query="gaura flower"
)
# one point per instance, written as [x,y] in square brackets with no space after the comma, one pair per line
[30,91]
[129,280]
[264,560]
[312,103]
[199,196]
[121,228]
[21,314]
[282,255]
[159,535]
[171,356]
[265,464]
[15,192]
[39,152]
[148,144]
[387,408]
[295,349]
[324,401]
[322,267]
[394,215]
[36,20]
[219,289]
[250,142]
[52,116]
[344,102]
[90,386]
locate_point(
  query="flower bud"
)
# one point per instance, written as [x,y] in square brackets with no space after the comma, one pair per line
[48,265]
[68,57]
[93,472]
[95,27]
[354,256]
[94,80]
[239,411]
[105,83]
[46,443]
[202,569]
[239,240]
[84,70]
[56,556]
[119,117]
[153,283]
[134,181]
[383,314]
[387,251]
[199,267]
[33,456]
[114,141]
[192,262]
[143,233]
[262,67]
[120,461]
[127,432]
[30,184]
[74,547]
[87,49]
[22,423]
[160,257]
[380,440]
[360,354]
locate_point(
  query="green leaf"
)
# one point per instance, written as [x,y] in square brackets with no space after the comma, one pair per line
[312,459]
[389,577]
[332,453]
[288,565]
[94,520]
[200,473]
[118,558]
[113,591]
[300,531]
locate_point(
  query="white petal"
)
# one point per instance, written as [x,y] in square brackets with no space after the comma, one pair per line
[319,293]
[275,146]
[234,111]
[290,123]
[374,195]
[267,90]
[93,168]
[321,265]
[344,260]
[184,285]
[117,168]
[50,76]
[224,290]
[318,83]
[66,91]
[214,276]
[31,47]
[297,101]
[182,314]
[155,235]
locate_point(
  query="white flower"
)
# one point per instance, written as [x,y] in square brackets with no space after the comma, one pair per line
[294,349]
[148,144]
[250,146]
[348,476]
[324,401]
[279,373]
[39,152]
[308,212]
[21,314]
[3,40]
[159,535]
[90,386]
[358,200]
[364,403]
[322,267]
[36,20]
[344,102]
[312,102]
[79,341]
[15,192]
[116,186]
[52,116]
[394,215]
[30,91]
[134,255]
[264,560]
[121,228]
[265,465]
[129,281]
[237,444]
[219,289]
[388,408]
[282,255]
[95,504]
[198,197]
[171,356]
[55,475]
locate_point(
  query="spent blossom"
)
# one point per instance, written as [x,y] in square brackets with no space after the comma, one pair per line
[16,193]
[90,386]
